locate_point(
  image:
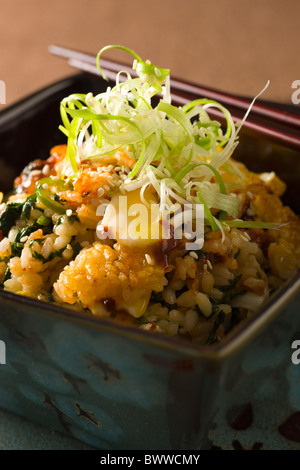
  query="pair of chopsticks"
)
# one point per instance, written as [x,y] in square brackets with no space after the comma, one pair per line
[276,125]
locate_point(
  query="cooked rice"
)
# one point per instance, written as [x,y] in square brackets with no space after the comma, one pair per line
[199,296]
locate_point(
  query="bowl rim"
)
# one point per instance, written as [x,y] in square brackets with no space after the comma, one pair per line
[232,343]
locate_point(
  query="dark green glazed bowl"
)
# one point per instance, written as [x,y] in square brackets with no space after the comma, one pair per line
[112,386]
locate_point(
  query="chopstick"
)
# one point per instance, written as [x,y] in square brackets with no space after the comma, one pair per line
[276,125]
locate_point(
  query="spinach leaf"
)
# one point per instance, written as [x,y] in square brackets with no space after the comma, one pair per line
[231,284]
[76,249]
[6,276]
[40,257]
[9,216]
[156,297]
[218,321]
[234,295]
[28,204]
[17,246]
[214,305]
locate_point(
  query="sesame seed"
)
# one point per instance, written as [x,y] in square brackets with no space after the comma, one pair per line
[23,239]
[193,255]
[66,254]
[45,186]
[84,244]
[247,236]
[35,172]
[46,169]
[209,264]
[69,212]
[149,259]
[202,132]
[106,187]
[100,192]
[48,212]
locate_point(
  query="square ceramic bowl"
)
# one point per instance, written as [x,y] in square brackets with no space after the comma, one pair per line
[116,387]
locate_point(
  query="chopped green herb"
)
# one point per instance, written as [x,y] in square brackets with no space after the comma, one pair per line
[57,198]
[6,276]
[215,308]
[231,284]
[36,240]
[234,319]
[14,211]
[28,205]
[73,218]
[234,295]
[40,257]
[17,246]
[9,216]
[219,320]
[156,297]
[44,221]
[76,249]
[45,195]
[59,220]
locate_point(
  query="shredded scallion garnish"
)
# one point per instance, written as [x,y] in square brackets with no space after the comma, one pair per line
[180,151]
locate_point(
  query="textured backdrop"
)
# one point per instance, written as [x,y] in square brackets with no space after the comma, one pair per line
[234,45]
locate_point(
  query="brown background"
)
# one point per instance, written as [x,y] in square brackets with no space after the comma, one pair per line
[234,45]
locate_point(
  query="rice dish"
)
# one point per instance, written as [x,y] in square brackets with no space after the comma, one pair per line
[65,238]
